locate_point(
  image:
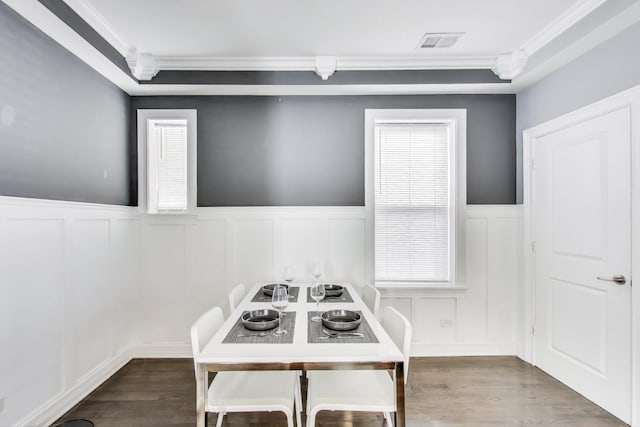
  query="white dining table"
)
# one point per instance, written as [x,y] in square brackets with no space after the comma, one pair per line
[217,356]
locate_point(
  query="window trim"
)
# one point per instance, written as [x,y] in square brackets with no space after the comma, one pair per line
[457,120]
[190,115]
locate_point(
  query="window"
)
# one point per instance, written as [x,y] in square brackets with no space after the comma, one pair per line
[412,200]
[166,161]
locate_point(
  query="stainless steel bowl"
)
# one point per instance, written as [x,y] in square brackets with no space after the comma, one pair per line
[260,320]
[268,289]
[341,320]
[333,290]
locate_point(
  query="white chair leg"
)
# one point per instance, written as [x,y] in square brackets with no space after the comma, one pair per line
[387,416]
[298,394]
[219,421]
[311,418]
[289,420]
[298,403]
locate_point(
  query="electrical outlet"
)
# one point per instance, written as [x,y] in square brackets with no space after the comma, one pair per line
[446,323]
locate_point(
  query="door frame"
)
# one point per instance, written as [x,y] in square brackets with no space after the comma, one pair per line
[526,351]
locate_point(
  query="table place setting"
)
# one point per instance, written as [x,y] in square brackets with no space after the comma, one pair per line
[241,334]
[339,326]
[265,293]
[256,326]
[326,292]
[332,294]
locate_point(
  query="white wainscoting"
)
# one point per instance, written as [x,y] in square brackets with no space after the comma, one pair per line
[86,287]
[191,263]
[68,273]
[478,317]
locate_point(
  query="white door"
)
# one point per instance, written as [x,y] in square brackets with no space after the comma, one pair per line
[582,221]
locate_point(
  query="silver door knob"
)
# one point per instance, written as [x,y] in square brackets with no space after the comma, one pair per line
[618,279]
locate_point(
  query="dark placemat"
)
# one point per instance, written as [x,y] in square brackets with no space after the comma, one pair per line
[315,334]
[345,297]
[288,324]
[294,291]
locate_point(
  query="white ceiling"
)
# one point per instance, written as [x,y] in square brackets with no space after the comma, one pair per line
[332,36]
[343,28]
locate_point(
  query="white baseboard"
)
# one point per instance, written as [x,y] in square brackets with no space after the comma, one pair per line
[57,406]
[61,403]
[463,349]
[159,351]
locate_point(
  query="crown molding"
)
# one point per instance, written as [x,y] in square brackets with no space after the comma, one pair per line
[559,25]
[509,65]
[98,23]
[318,90]
[417,63]
[220,63]
[301,63]
[599,35]
[143,66]
[325,66]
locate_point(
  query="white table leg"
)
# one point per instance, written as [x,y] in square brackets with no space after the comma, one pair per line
[201,396]
[399,377]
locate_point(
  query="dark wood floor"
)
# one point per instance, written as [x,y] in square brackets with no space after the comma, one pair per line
[442,392]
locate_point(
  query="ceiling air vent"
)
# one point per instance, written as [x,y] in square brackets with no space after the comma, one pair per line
[439,40]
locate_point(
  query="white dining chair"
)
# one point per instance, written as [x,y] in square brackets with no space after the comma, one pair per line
[243,391]
[371,298]
[360,390]
[235,296]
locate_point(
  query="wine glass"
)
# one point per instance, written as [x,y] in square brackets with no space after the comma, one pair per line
[287,275]
[280,301]
[317,293]
[317,272]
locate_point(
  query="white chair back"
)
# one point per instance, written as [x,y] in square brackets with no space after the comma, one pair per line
[238,392]
[236,295]
[371,298]
[400,331]
[201,333]
[203,330]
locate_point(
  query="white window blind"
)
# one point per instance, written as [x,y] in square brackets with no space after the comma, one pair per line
[167,166]
[412,202]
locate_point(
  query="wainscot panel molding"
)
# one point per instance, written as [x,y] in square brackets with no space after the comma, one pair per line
[92,286]
[190,263]
[226,246]
[478,315]
[70,272]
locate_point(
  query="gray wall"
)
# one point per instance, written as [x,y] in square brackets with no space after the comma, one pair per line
[304,150]
[603,71]
[341,77]
[63,127]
